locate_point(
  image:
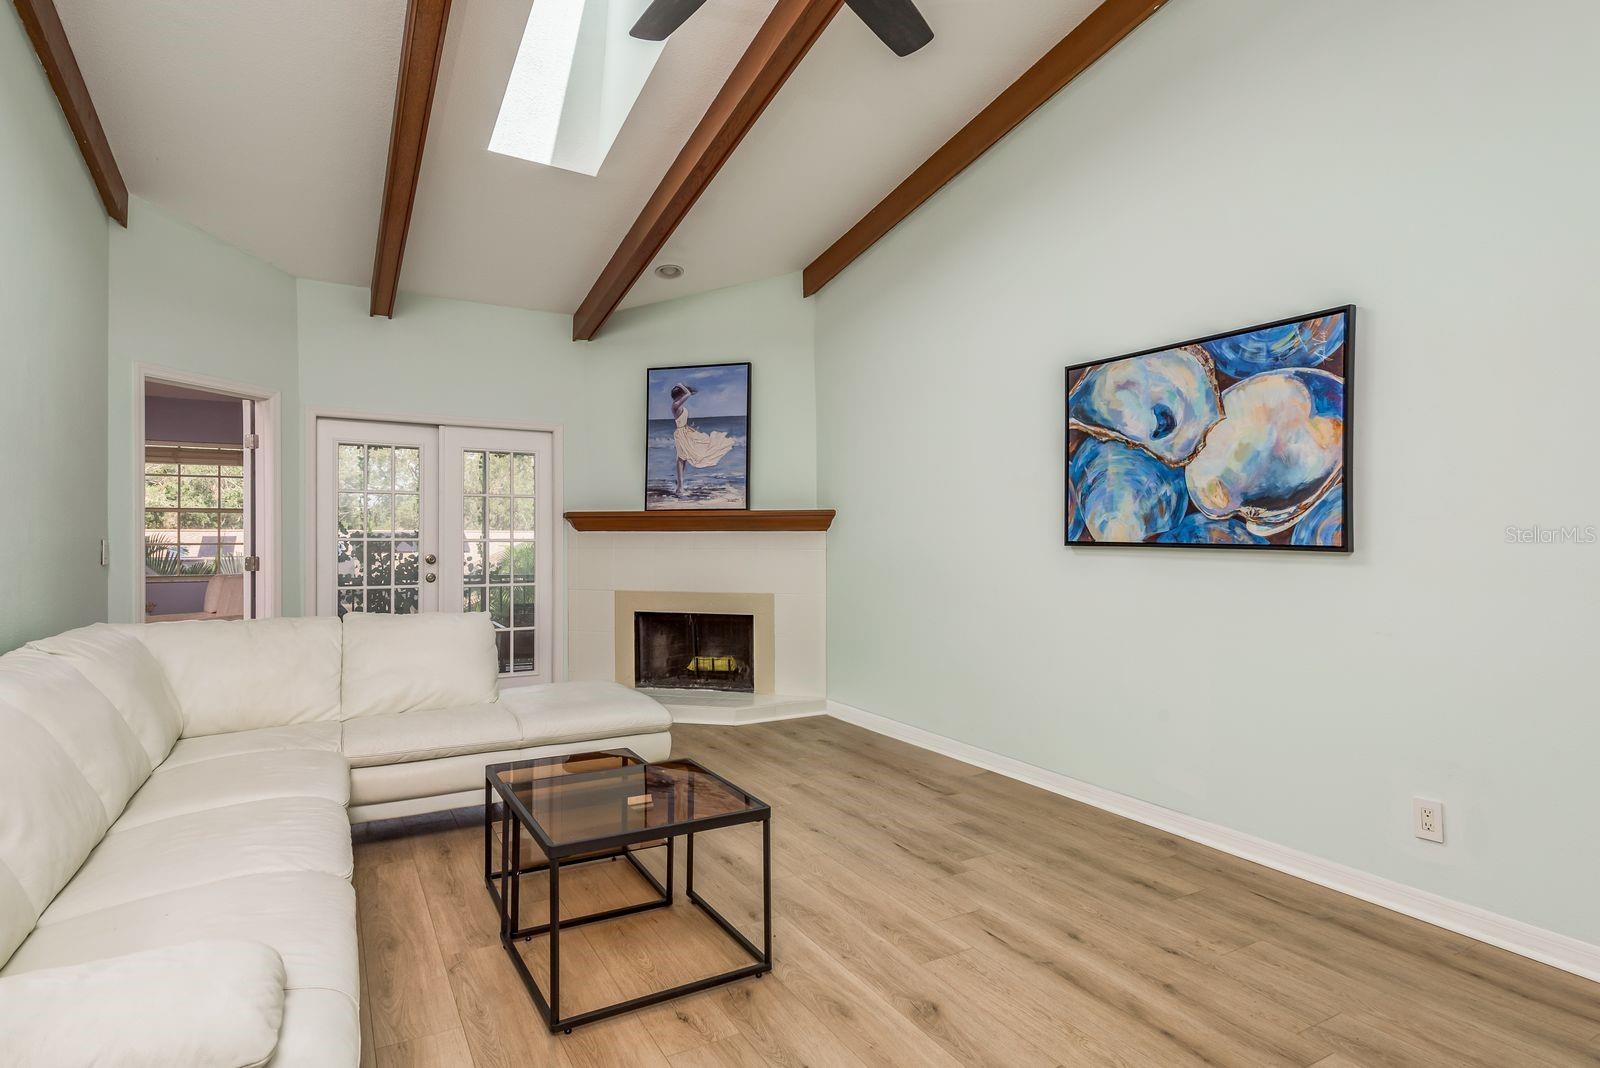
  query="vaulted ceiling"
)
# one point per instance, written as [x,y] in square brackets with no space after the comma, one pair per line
[267,125]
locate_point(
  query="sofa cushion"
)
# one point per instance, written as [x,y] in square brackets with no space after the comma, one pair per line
[320,1030]
[308,917]
[217,1002]
[50,817]
[316,737]
[117,663]
[417,662]
[83,723]
[244,674]
[236,780]
[575,711]
[401,737]
[286,834]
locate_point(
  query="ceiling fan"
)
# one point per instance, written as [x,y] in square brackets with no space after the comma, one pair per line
[897,23]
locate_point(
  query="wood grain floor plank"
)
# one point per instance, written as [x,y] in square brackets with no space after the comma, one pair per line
[450,864]
[447,1049]
[408,991]
[927,912]
[734,1051]
[498,1018]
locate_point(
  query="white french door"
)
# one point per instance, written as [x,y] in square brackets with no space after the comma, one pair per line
[377,517]
[417,518]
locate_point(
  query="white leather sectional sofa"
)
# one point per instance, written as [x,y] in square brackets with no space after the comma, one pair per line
[175,809]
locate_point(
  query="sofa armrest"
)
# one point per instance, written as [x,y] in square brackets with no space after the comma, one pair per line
[215,1002]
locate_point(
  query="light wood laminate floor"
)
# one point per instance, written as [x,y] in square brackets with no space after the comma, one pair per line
[930,913]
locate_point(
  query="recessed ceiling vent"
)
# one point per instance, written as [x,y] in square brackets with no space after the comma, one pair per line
[576,78]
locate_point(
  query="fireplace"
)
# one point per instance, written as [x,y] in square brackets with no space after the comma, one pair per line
[694,651]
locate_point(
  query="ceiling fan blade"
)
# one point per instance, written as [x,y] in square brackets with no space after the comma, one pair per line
[662,17]
[897,23]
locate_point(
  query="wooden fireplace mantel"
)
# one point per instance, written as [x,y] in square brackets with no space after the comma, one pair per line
[706,519]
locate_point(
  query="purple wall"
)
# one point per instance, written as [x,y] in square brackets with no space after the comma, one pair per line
[195,422]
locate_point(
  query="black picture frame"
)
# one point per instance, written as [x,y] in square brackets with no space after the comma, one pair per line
[1347,545]
[749,424]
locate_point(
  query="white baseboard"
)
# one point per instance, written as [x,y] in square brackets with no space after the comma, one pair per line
[1548,947]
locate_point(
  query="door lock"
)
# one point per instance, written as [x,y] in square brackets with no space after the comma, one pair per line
[430,576]
[430,559]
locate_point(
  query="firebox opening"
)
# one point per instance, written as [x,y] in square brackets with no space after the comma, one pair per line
[694,651]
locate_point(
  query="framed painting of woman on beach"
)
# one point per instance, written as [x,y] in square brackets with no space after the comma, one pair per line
[697,437]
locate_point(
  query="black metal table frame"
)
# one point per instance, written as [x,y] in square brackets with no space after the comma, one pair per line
[504,884]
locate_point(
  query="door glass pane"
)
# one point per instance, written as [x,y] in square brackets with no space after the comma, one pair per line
[522,606]
[499,472]
[380,464]
[499,561]
[522,474]
[407,514]
[405,564]
[380,512]
[407,470]
[499,517]
[352,467]
[499,514]
[352,513]
[500,605]
[523,650]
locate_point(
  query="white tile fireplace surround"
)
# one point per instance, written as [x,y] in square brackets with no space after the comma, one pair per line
[611,575]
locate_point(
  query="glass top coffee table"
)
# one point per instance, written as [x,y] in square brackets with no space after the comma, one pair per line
[588,807]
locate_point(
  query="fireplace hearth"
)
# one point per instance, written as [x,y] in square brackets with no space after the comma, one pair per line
[694,651]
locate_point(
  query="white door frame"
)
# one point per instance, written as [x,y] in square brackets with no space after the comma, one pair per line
[268,483]
[558,605]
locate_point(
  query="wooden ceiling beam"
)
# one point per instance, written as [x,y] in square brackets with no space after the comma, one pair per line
[43,25]
[421,50]
[1075,53]
[777,49]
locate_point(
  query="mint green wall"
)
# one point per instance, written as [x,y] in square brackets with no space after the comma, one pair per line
[52,358]
[452,359]
[182,300]
[1232,162]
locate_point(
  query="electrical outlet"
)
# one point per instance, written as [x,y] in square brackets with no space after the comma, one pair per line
[1427,819]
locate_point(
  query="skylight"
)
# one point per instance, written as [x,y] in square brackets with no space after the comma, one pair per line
[576,78]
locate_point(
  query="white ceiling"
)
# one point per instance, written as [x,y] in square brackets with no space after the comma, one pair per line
[267,125]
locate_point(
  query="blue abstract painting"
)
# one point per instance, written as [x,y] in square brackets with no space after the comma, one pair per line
[1238,440]
[697,437]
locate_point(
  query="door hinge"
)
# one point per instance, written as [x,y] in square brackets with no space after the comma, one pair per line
[252,441]
[252,563]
